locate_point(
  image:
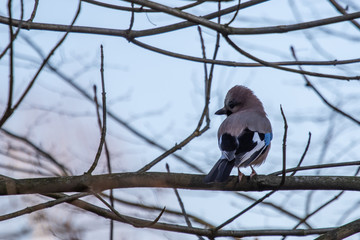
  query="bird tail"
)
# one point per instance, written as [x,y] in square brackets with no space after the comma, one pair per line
[220,172]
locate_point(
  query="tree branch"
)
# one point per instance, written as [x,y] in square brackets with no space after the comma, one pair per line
[268,64]
[342,232]
[191,20]
[199,231]
[102,125]
[172,180]
[309,84]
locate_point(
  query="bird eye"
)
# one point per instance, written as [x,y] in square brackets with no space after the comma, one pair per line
[231,104]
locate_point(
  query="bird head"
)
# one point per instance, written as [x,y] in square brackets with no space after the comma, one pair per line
[239,98]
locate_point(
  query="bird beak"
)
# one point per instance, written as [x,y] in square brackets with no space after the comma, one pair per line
[221,111]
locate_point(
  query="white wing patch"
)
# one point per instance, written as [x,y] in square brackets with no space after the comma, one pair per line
[229,155]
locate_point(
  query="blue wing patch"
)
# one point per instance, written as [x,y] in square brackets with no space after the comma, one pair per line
[268,138]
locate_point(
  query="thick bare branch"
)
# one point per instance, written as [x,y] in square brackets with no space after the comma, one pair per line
[342,232]
[190,18]
[172,180]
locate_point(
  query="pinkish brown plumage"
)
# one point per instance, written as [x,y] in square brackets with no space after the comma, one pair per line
[244,136]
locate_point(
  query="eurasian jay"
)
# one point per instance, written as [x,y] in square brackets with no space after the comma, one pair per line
[244,136]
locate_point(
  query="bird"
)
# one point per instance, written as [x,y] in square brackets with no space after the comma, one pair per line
[244,137]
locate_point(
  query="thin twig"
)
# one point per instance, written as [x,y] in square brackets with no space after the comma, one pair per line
[269,64]
[41,206]
[143,207]
[132,19]
[240,64]
[11,65]
[206,78]
[279,208]
[336,197]
[9,109]
[243,211]
[107,153]
[111,196]
[187,220]
[33,13]
[318,166]
[126,219]
[284,148]
[184,229]
[14,35]
[25,170]
[309,84]
[317,47]
[303,155]
[38,150]
[36,165]
[45,61]
[343,11]
[63,198]
[103,125]
[236,13]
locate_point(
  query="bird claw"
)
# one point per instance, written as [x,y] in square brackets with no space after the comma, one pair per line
[240,175]
[253,173]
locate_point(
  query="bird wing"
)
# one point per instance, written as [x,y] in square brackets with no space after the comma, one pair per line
[228,145]
[252,145]
[220,172]
[253,133]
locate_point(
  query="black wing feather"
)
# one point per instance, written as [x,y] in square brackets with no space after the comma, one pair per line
[220,172]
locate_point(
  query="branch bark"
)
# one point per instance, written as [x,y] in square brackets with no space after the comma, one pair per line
[342,232]
[99,183]
[191,20]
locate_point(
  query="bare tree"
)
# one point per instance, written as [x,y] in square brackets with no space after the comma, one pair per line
[122,153]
